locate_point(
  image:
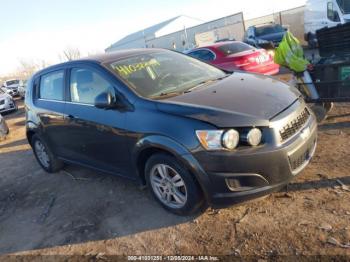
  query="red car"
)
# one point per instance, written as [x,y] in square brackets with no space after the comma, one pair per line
[235,55]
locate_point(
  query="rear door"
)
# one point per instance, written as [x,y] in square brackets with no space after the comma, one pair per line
[49,101]
[94,137]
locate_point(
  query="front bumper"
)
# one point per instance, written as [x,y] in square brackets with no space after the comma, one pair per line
[253,172]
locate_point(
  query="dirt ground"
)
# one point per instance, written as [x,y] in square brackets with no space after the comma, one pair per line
[78,211]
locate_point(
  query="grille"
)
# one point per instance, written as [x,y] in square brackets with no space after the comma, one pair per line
[295,125]
[297,162]
[2,102]
[298,159]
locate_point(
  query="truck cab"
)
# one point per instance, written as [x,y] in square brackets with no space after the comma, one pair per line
[324,13]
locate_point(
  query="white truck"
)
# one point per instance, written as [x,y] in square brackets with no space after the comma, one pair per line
[324,13]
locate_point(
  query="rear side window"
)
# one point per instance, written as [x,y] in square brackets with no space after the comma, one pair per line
[86,85]
[51,86]
[234,48]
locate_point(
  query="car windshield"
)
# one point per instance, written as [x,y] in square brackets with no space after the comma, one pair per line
[1,91]
[159,74]
[233,48]
[12,82]
[268,29]
[344,6]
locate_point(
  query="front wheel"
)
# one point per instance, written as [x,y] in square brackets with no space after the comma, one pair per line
[44,156]
[173,186]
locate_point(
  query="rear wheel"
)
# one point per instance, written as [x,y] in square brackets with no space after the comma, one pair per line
[44,155]
[173,186]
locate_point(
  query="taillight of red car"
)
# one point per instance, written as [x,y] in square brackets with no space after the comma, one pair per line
[257,58]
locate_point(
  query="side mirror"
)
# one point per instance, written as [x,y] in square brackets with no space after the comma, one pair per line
[108,101]
[105,100]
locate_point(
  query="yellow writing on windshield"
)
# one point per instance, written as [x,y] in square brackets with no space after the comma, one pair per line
[126,70]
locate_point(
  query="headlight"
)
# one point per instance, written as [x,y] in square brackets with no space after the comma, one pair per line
[218,139]
[254,137]
[221,139]
[230,139]
[210,139]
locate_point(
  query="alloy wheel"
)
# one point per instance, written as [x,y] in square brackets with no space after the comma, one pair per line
[168,186]
[42,154]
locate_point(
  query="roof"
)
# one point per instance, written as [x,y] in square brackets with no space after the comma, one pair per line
[106,57]
[120,54]
[218,44]
[145,32]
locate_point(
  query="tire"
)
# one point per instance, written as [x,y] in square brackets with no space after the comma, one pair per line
[192,200]
[44,156]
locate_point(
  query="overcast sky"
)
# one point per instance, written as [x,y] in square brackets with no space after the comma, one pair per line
[41,29]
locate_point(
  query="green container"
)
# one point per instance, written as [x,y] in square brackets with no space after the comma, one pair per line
[345,73]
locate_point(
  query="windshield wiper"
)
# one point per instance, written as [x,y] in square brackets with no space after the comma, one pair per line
[164,94]
[205,82]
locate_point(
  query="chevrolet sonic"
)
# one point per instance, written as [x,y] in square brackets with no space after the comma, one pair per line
[194,134]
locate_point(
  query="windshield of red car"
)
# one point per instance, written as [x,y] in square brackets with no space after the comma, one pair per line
[156,74]
[233,48]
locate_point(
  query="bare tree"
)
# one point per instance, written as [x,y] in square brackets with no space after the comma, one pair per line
[28,67]
[69,54]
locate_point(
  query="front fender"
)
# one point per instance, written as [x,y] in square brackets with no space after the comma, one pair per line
[181,154]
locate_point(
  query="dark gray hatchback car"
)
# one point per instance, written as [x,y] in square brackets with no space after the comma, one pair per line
[193,133]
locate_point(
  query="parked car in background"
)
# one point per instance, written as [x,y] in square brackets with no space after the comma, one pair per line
[264,35]
[7,91]
[188,130]
[12,85]
[7,103]
[4,130]
[22,88]
[324,13]
[236,55]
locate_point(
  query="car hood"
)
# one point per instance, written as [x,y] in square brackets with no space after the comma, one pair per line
[272,37]
[239,100]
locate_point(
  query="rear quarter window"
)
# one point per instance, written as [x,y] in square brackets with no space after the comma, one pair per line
[51,86]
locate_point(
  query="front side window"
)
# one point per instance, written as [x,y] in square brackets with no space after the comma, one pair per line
[331,13]
[155,74]
[86,85]
[51,86]
[250,32]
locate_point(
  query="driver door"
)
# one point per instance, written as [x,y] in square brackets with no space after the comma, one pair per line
[95,137]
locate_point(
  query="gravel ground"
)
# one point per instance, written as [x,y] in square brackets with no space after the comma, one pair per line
[78,211]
